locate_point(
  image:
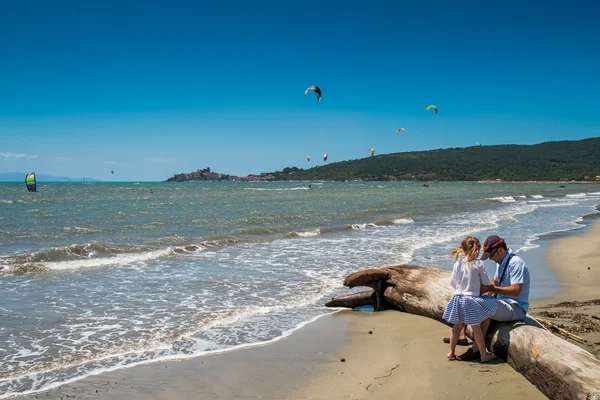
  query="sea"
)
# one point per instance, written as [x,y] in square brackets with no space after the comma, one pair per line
[101,276]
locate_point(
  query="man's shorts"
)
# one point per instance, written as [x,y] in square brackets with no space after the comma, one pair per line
[508,311]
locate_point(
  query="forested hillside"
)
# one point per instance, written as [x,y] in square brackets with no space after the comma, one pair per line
[563,160]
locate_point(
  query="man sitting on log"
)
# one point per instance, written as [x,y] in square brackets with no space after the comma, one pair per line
[510,286]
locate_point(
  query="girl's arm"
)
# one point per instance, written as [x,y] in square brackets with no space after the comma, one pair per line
[483,276]
[454,275]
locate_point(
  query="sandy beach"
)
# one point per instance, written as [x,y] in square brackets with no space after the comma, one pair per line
[385,354]
[576,308]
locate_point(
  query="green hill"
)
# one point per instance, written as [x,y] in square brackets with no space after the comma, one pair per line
[549,161]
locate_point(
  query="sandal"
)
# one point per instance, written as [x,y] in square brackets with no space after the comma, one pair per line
[461,342]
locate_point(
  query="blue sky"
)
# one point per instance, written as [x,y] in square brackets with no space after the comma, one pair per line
[173,86]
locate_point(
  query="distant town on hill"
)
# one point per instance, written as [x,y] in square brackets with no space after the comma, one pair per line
[550,161]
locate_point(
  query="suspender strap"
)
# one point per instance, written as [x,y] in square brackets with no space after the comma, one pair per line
[505,268]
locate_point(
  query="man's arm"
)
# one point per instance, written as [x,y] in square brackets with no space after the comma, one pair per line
[512,290]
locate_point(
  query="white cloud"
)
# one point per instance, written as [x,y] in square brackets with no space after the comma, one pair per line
[13,156]
[161,159]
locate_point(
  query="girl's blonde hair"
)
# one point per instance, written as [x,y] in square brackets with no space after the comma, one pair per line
[469,246]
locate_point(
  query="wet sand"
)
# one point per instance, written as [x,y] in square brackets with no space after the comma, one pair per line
[403,356]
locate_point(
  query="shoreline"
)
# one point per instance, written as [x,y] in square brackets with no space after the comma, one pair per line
[402,351]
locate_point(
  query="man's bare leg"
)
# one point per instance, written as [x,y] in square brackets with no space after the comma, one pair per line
[484,328]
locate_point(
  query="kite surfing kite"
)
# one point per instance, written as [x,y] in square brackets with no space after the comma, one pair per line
[112,171]
[435,109]
[308,158]
[324,157]
[400,129]
[30,182]
[315,89]
[372,150]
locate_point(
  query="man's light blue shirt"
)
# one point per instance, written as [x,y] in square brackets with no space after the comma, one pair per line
[517,272]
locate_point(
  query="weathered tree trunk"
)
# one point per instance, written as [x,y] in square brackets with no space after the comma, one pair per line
[556,367]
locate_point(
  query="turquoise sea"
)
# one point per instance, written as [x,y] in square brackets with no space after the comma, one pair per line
[103,276]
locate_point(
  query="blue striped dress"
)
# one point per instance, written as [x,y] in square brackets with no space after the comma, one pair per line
[471,310]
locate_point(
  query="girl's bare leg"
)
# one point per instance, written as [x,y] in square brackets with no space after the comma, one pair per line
[463,334]
[480,342]
[456,329]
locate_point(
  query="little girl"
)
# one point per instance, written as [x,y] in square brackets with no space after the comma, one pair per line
[467,306]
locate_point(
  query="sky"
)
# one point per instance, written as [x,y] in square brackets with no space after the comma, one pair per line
[155,88]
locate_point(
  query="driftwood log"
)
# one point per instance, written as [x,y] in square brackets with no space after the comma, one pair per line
[559,369]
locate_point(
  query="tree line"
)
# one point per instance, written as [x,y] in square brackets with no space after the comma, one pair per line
[550,161]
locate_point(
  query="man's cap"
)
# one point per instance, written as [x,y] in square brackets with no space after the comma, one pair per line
[490,244]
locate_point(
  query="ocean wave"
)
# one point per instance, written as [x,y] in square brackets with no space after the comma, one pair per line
[559,204]
[502,199]
[394,221]
[348,227]
[358,227]
[120,260]
[86,250]
[331,229]
[77,229]
[257,231]
[304,234]
[537,196]
[207,241]
[402,221]
[576,195]
[92,255]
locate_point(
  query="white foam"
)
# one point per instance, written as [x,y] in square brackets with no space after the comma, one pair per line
[537,196]
[357,227]
[559,203]
[502,199]
[120,260]
[403,221]
[316,232]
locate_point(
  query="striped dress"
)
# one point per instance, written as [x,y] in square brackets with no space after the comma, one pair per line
[466,305]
